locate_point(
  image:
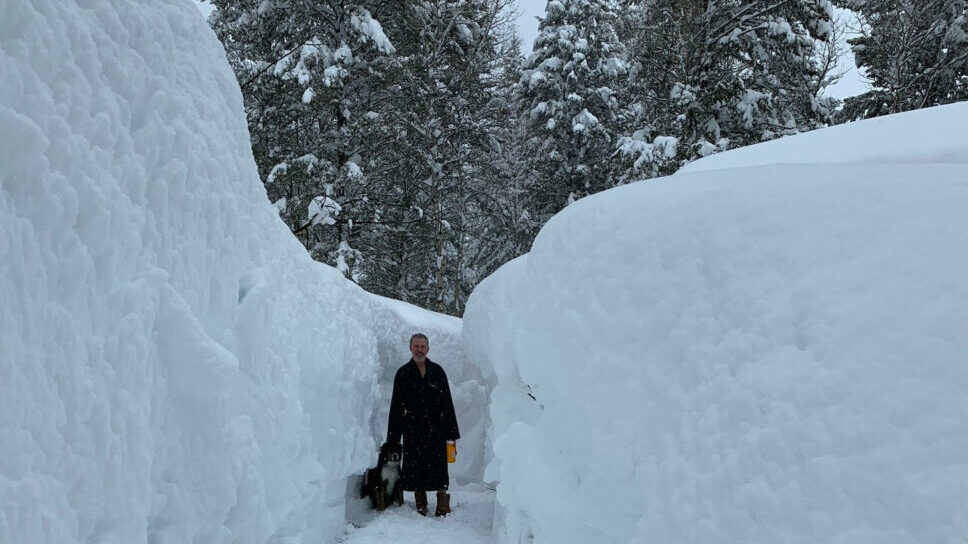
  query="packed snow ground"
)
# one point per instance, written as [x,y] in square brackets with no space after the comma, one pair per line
[769,346]
[469,523]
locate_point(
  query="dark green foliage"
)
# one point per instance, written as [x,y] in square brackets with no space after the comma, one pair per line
[914,52]
[393,134]
[725,73]
[569,106]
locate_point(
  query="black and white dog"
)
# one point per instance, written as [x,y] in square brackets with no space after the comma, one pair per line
[382,482]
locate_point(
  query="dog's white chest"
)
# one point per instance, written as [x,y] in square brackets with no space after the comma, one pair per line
[390,474]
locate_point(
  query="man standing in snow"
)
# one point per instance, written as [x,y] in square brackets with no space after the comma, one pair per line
[422,413]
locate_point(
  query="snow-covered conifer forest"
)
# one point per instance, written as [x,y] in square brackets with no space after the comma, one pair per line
[701,300]
[446,147]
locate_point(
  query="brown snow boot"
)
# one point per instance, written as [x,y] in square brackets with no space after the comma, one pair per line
[443,504]
[421,498]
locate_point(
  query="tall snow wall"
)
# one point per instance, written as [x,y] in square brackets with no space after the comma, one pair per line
[173,367]
[748,351]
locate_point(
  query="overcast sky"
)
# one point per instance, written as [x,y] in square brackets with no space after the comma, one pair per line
[528,23]
[851,84]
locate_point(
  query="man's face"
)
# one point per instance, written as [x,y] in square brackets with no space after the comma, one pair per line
[419,349]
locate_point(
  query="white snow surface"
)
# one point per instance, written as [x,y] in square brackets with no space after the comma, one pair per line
[932,135]
[747,351]
[472,512]
[174,367]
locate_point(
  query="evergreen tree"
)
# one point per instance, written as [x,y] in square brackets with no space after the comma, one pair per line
[915,53]
[438,128]
[498,208]
[311,76]
[377,155]
[569,103]
[723,73]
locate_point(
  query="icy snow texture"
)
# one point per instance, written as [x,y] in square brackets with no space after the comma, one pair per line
[174,368]
[766,353]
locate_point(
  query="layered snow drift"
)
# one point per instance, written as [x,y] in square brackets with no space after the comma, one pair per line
[174,368]
[766,353]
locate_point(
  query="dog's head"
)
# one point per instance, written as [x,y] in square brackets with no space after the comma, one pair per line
[389,453]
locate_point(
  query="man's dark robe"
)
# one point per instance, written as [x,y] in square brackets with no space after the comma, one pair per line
[422,413]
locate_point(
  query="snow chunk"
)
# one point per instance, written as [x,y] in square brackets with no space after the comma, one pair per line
[707,148]
[353,170]
[333,75]
[308,95]
[585,120]
[781,27]
[661,148]
[366,25]
[323,210]
[309,159]
[536,78]
[280,168]
[343,54]
[551,64]
[554,6]
[749,105]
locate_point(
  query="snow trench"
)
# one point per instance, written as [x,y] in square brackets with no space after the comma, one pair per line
[748,351]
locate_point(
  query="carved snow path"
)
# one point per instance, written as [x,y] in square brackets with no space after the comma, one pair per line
[470,521]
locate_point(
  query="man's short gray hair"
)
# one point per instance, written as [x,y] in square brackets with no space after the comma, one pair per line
[419,335]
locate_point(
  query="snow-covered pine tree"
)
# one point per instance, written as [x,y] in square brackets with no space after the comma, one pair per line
[442,135]
[914,52]
[726,73]
[651,122]
[380,157]
[491,225]
[569,103]
[496,209]
[311,74]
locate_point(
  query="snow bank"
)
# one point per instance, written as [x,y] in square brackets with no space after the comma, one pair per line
[174,368]
[932,135]
[769,353]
